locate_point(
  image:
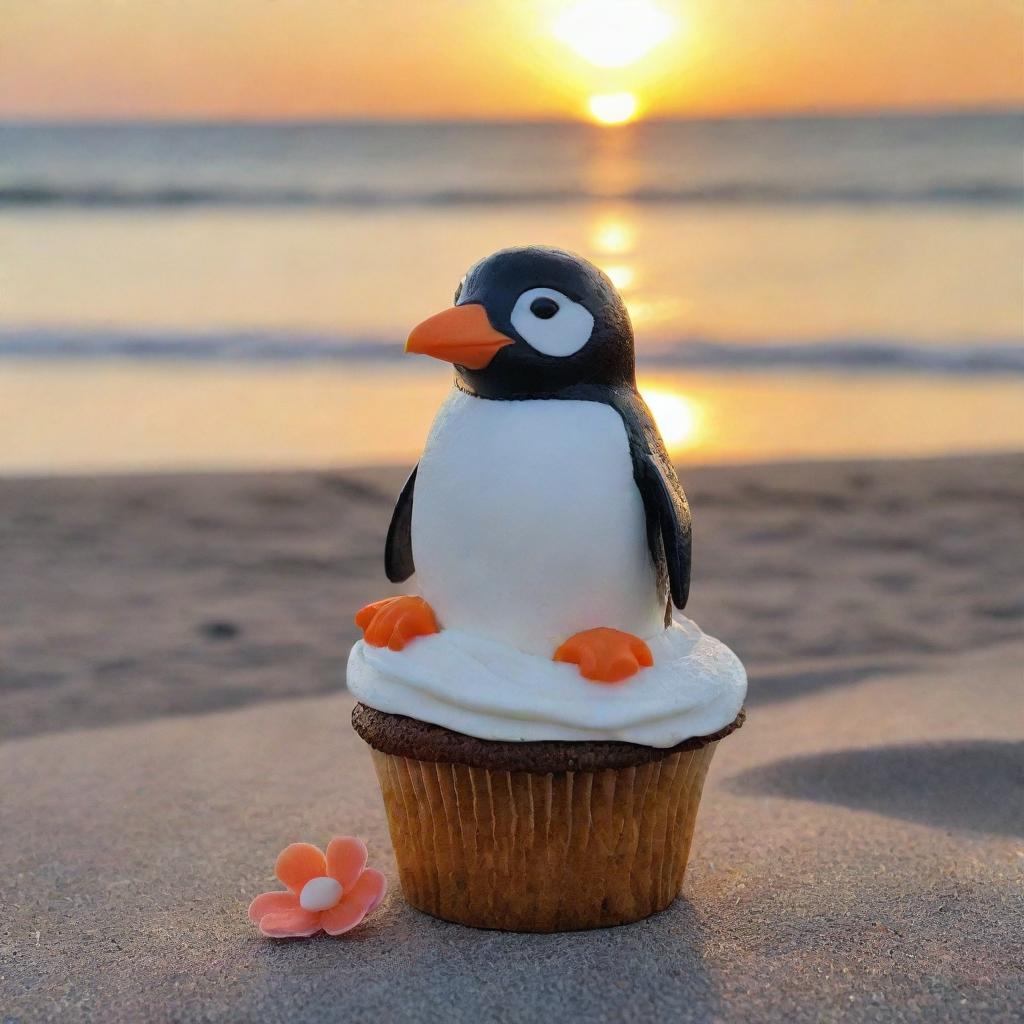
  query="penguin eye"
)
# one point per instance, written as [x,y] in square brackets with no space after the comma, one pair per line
[551,322]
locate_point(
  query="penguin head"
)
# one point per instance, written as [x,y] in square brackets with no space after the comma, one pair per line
[531,322]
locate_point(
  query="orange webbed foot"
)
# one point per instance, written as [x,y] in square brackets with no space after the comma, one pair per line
[395,621]
[605,655]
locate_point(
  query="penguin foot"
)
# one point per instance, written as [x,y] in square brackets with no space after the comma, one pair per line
[395,621]
[605,655]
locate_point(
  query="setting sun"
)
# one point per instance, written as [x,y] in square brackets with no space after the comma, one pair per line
[675,414]
[613,107]
[613,33]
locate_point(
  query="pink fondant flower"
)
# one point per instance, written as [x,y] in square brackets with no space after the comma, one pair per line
[333,892]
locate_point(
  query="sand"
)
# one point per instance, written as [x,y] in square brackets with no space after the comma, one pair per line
[172,716]
[134,597]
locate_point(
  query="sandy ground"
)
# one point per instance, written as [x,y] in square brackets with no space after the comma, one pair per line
[860,851]
[135,597]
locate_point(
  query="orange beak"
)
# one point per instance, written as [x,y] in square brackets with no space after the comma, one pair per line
[462,335]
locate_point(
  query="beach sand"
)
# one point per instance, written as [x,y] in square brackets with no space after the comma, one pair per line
[172,715]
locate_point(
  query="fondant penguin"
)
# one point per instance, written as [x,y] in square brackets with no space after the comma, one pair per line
[544,512]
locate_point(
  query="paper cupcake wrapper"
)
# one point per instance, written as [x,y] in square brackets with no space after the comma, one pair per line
[523,851]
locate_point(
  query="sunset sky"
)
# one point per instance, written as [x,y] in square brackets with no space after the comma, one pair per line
[501,58]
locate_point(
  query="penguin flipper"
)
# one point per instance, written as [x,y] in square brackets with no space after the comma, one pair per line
[665,506]
[668,522]
[398,563]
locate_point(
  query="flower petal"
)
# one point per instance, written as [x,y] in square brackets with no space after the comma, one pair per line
[291,924]
[271,903]
[346,858]
[299,863]
[362,899]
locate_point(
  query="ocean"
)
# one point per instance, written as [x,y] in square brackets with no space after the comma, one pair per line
[236,295]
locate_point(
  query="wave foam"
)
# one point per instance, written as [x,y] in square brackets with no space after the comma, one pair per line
[887,355]
[101,196]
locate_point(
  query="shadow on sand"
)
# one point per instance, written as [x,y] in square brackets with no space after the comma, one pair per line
[967,784]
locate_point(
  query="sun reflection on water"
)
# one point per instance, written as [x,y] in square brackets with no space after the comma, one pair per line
[612,236]
[621,275]
[678,416]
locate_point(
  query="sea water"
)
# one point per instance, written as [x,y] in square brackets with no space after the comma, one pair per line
[224,295]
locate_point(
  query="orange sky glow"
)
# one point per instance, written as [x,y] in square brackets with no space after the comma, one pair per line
[500,58]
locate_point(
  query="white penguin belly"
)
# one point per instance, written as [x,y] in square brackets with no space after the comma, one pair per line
[527,526]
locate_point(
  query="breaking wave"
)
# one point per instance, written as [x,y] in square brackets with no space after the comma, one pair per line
[889,355]
[101,196]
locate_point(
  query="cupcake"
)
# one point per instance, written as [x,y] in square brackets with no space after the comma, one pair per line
[540,721]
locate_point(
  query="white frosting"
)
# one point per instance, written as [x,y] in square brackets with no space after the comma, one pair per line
[527,525]
[488,689]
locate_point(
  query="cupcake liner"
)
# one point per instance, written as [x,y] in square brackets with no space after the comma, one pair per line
[542,852]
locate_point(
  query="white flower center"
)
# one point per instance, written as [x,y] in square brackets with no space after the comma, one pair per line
[320,893]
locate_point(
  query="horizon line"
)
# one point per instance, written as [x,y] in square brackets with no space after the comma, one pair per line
[1008,107]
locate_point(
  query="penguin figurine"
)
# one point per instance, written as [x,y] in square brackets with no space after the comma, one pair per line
[544,513]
